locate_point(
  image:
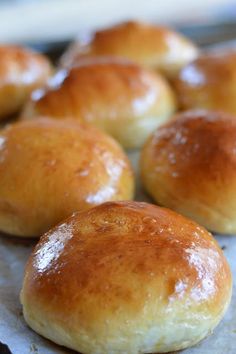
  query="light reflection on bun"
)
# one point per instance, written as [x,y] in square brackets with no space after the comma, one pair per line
[126,277]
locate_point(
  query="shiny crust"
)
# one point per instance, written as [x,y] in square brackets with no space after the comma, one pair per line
[126,277]
[209,82]
[189,165]
[21,71]
[155,47]
[50,169]
[123,99]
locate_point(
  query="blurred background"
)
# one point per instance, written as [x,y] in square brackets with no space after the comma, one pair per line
[35,21]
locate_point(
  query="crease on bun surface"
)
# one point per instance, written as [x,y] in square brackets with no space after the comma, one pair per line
[126,277]
[209,82]
[49,169]
[21,71]
[189,165]
[152,46]
[120,97]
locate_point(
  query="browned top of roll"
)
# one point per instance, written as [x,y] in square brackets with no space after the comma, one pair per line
[49,169]
[149,45]
[209,82]
[189,165]
[103,89]
[119,257]
[21,71]
[197,143]
[19,65]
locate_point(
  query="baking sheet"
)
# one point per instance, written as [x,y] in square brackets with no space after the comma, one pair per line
[22,340]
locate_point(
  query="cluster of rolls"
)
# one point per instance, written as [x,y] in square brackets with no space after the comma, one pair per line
[119,276]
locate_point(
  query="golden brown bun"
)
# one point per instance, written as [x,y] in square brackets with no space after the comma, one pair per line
[123,99]
[189,165]
[21,71]
[49,169]
[209,82]
[153,46]
[126,278]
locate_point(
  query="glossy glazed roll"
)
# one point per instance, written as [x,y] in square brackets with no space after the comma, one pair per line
[49,169]
[189,165]
[126,278]
[123,99]
[208,82]
[21,71]
[152,46]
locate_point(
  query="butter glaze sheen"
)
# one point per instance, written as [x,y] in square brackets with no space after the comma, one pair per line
[120,97]
[126,277]
[209,82]
[49,169]
[155,47]
[21,71]
[189,165]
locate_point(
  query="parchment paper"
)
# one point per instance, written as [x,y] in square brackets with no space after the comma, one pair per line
[22,340]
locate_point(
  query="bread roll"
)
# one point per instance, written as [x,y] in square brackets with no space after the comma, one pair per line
[21,71]
[123,99]
[189,165]
[209,82]
[126,278]
[153,46]
[49,169]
